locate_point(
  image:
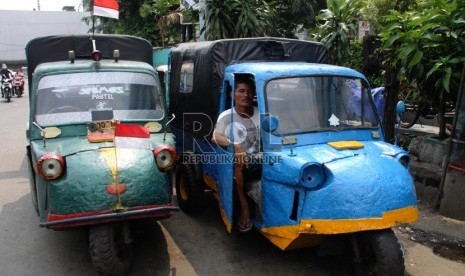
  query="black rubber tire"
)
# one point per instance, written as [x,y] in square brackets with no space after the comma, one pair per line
[8,96]
[109,254]
[189,191]
[380,254]
[410,117]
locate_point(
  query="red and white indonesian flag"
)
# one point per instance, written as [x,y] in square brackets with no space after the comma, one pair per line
[132,136]
[106,8]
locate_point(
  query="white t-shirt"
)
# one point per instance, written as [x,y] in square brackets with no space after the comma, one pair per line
[245,130]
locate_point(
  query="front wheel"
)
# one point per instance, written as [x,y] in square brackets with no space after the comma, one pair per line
[189,191]
[379,254]
[110,248]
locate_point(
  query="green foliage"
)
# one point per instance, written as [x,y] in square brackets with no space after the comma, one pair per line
[141,18]
[289,15]
[374,10]
[353,58]
[235,18]
[337,26]
[158,20]
[248,18]
[428,44]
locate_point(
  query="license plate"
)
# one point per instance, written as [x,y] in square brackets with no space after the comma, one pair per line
[101,131]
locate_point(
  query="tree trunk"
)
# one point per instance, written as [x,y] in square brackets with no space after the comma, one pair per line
[440,116]
[389,116]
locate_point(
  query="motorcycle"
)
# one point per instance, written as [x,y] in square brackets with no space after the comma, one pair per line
[7,89]
[18,86]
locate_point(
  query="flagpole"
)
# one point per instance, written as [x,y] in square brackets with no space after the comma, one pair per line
[93,20]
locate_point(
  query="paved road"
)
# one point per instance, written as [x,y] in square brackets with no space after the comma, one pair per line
[181,245]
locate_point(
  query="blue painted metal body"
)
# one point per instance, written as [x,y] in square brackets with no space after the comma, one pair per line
[362,183]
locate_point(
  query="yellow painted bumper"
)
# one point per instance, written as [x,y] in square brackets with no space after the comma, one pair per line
[311,232]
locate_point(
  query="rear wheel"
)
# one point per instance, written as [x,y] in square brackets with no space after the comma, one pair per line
[110,248]
[8,95]
[189,190]
[379,254]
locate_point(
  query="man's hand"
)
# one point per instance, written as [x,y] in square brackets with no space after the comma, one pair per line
[241,155]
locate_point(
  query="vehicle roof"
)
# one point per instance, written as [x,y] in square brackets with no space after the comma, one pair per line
[90,66]
[267,70]
[55,48]
[209,59]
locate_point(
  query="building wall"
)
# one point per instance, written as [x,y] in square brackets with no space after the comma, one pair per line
[19,27]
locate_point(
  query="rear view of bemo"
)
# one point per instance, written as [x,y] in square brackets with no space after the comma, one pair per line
[98,148]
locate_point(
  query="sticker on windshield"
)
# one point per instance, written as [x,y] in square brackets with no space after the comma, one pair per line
[102,92]
[333,120]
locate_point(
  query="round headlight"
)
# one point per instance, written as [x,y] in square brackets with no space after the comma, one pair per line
[165,157]
[50,166]
[312,176]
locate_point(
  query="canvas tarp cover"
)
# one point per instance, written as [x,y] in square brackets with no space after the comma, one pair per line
[211,57]
[55,48]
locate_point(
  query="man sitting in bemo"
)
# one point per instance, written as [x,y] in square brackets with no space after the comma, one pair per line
[246,139]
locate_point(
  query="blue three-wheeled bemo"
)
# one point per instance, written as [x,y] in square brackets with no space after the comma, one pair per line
[325,168]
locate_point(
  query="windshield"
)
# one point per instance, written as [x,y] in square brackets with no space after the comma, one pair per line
[71,98]
[307,104]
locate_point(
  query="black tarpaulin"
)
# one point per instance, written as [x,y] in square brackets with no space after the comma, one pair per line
[55,48]
[211,57]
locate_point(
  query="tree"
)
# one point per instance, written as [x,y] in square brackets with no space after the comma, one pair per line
[337,26]
[235,18]
[291,16]
[375,11]
[427,46]
[153,20]
[168,17]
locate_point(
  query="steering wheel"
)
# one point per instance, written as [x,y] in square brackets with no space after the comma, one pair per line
[63,109]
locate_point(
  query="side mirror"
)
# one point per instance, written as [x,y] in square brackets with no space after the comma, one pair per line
[270,123]
[400,108]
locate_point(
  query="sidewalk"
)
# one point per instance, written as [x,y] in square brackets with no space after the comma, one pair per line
[444,235]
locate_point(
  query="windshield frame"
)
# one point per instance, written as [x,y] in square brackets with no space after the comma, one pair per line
[101,87]
[365,97]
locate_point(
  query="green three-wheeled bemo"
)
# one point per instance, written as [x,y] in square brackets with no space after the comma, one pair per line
[99,150]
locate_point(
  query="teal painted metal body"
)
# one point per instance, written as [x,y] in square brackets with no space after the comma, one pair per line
[82,194]
[160,56]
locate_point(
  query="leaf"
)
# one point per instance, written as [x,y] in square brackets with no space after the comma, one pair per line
[406,50]
[392,40]
[446,79]
[456,60]
[416,59]
[392,26]
[434,69]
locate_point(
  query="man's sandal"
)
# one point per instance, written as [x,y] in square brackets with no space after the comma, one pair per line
[245,227]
